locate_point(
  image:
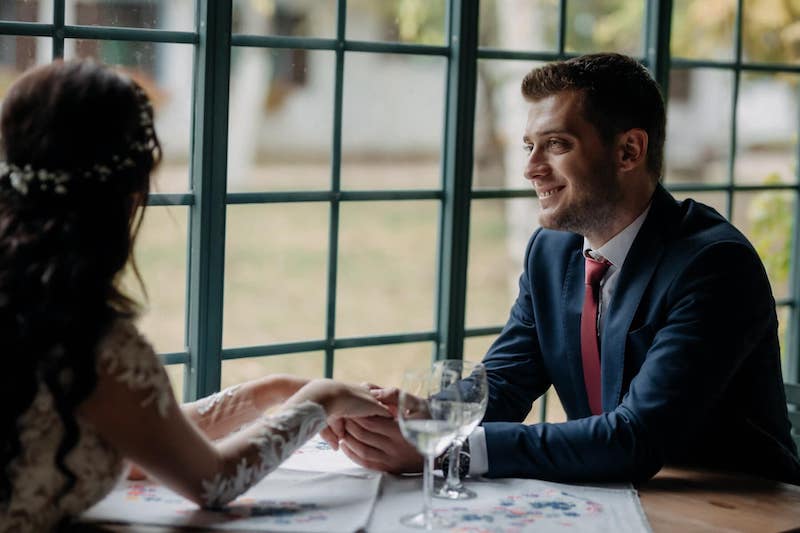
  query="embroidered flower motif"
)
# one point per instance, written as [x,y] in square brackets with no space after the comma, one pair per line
[209,402]
[278,437]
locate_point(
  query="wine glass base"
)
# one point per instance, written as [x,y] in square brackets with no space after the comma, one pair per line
[450,493]
[418,521]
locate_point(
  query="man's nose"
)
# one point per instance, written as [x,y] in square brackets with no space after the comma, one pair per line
[536,165]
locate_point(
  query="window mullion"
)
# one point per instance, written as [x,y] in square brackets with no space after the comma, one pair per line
[454,230]
[207,215]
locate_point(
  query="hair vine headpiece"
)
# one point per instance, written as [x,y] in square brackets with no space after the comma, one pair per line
[26,178]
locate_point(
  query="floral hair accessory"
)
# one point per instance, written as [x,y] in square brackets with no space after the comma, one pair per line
[26,178]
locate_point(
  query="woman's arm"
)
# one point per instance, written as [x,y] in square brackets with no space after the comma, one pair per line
[228,410]
[133,409]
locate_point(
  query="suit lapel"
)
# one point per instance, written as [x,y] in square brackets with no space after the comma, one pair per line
[640,263]
[572,296]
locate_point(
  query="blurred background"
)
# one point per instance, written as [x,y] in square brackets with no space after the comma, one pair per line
[731,143]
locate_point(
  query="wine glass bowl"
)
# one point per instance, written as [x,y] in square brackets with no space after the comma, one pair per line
[474,392]
[429,417]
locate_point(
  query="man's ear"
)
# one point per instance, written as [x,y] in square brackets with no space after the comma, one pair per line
[632,149]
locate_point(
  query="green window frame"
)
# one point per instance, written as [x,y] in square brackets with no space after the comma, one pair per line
[208,197]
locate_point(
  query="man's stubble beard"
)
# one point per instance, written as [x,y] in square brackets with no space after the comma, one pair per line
[595,210]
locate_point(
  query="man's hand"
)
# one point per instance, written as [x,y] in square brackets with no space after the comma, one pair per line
[376,442]
[335,430]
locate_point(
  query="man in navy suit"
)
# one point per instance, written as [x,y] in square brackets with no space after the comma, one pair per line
[669,356]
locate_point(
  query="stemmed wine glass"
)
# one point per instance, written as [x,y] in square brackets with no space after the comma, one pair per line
[429,419]
[473,390]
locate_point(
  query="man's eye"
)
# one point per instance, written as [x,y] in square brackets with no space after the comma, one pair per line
[556,143]
[527,148]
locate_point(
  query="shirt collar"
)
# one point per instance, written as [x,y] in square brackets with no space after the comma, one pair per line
[616,249]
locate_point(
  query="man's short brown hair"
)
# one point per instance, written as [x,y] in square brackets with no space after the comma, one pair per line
[618,94]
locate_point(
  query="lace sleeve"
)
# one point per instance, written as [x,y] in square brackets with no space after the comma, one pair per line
[127,356]
[271,439]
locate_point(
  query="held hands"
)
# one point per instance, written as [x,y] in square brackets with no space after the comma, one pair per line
[375,442]
[341,399]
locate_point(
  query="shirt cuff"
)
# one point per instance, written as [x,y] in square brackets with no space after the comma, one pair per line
[478,461]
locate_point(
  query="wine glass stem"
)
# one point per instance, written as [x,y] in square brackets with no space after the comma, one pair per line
[453,479]
[427,490]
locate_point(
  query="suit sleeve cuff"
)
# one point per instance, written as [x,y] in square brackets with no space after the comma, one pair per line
[479,460]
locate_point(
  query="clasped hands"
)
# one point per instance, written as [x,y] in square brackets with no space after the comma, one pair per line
[374,442]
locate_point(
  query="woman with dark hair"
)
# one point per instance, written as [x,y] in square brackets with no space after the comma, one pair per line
[82,389]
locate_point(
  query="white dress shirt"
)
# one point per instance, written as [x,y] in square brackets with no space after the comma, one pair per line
[615,251]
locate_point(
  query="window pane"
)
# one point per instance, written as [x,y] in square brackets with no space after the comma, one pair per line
[381,365]
[519,24]
[698,126]
[476,347]
[769,31]
[307,365]
[406,21]
[161,256]
[316,18]
[170,90]
[176,374]
[784,332]
[703,29]
[767,126]
[275,273]
[717,200]
[27,10]
[18,54]
[392,121]
[154,14]
[499,232]
[605,26]
[281,119]
[766,218]
[500,116]
[387,256]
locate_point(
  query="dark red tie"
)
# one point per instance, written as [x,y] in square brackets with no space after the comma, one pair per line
[590,349]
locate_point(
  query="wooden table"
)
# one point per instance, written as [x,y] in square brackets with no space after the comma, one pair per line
[675,500]
[689,500]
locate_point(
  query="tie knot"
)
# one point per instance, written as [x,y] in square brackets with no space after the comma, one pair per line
[595,270]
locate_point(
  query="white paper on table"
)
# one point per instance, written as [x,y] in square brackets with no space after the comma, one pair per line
[285,501]
[316,455]
[518,505]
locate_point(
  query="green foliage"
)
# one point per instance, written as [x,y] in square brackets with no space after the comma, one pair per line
[420,21]
[771,215]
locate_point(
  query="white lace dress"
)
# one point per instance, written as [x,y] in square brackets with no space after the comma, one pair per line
[128,368]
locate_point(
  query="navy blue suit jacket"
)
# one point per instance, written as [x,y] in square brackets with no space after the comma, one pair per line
[689,354]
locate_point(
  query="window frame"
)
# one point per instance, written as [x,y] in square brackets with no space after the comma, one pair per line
[208,197]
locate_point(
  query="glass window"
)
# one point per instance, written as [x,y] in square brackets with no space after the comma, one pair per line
[281,119]
[307,365]
[697,148]
[275,273]
[513,25]
[26,10]
[161,257]
[499,232]
[392,121]
[386,268]
[290,18]
[767,126]
[405,21]
[150,14]
[703,30]
[382,365]
[605,26]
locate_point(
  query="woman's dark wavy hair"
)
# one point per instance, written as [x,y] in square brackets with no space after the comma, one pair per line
[61,255]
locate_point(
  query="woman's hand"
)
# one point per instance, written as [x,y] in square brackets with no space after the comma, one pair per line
[340,399]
